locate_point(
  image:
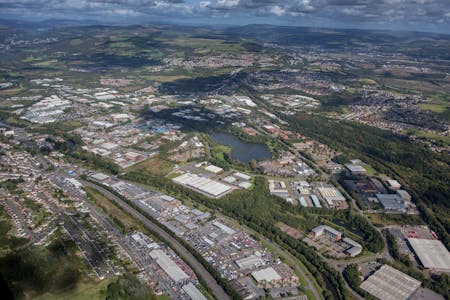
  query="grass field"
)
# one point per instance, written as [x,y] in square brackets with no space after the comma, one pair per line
[435,106]
[110,209]
[218,151]
[423,134]
[208,45]
[92,290]
[381,220]
[166,78]
[370,170]
[439,106]
[154,165]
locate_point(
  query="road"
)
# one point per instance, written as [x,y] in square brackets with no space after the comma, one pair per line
[209,280]
[280,252]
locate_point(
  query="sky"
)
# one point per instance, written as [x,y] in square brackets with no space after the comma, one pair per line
[417,15]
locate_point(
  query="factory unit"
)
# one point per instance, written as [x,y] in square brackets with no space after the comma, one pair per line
[250,262]
[169,266]
[205,185]
[193,292]
[356,169]
[266,277]
[278,188]
[388,283]
[328,231]
[432,254]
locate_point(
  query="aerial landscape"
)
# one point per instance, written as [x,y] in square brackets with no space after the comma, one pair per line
[225,149]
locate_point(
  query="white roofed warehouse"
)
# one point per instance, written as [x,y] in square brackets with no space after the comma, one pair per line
[388,283]
[432,254]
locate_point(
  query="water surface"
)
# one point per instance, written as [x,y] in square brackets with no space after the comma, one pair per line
[240,150]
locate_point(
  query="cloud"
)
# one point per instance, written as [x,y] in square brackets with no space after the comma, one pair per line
[276,10]
[351,13]
[227,3]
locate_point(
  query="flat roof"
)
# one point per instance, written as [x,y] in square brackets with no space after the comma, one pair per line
[315,200]
[168,265]
[388,283]
[100,176]
[391,201]
[242,176]
[245,185]
[331,193]
[431,253]
[356,168]
[321,228]
[213,169]
[267,275]
[193,292]
[224,227]
[203,184]
[251,261]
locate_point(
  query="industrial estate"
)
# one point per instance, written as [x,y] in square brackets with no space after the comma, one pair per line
[195,162]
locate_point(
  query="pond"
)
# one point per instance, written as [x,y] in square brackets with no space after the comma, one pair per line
[240,150]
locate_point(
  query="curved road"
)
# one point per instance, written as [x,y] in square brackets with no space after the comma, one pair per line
[287,256]
[209,280]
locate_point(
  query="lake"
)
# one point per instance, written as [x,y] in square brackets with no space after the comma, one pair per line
[240,150]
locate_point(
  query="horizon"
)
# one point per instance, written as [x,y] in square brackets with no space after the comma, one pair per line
[94,22]
[394,15]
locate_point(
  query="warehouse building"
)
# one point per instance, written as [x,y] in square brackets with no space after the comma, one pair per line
[392,203]
[205,185]
[249,262]
[278,188]
[242,176]
[169,266]
[331,195]
[431,253]
[193,292]
[404,195]
[356,169]
[393,184]
[315,201]
[214,169]
[266,276]
[388,283]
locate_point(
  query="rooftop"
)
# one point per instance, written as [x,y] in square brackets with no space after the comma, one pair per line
[267,275]
[432,253]
[388,283]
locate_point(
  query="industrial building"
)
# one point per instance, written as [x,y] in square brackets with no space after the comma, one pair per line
[404,195]
[331,195]
[431,253]
[388,283]
[169,266]
[328,231]
[242,176]
[193,292]
[214,169]
[315,201]
[392,203]
[250,262]
[356,169]
[352,248]
[205,185]
[278,188]
[302,201]
[266,276]
[393,184]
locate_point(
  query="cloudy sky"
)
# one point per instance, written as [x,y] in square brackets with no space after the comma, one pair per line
[423,15]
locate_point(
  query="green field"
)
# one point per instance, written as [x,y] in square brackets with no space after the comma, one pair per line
[89,289]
